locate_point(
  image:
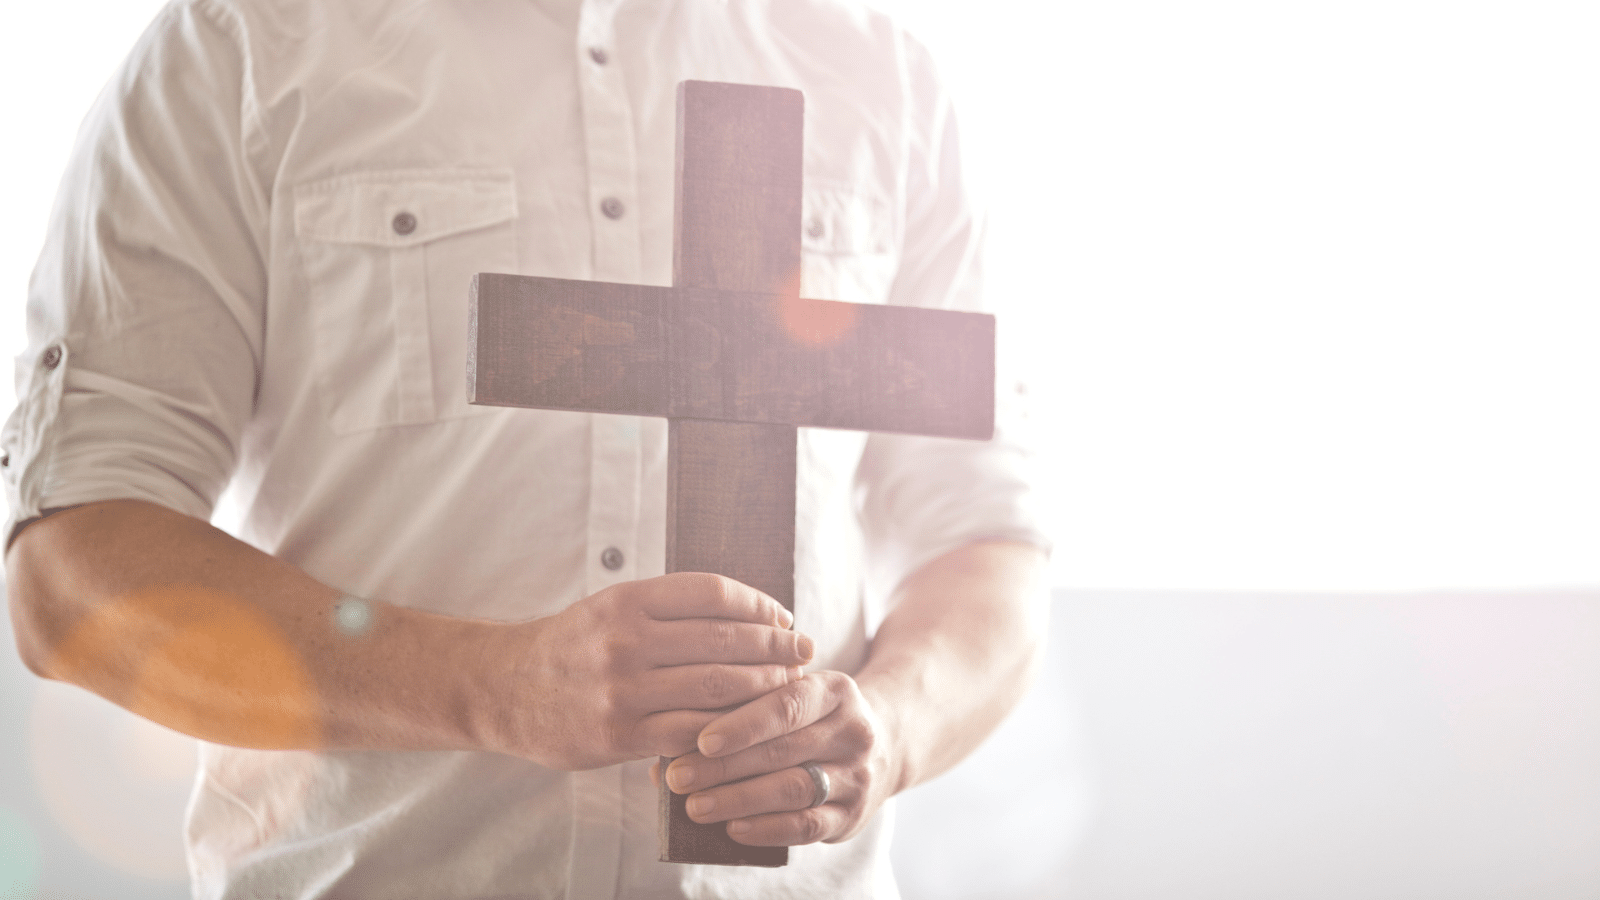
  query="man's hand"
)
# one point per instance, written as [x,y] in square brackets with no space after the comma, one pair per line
[638,669]
[822,719]
[951,659]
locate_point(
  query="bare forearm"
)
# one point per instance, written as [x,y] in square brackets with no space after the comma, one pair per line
[956,654]
[185,625]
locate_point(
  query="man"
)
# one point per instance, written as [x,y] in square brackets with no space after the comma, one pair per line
[440,654]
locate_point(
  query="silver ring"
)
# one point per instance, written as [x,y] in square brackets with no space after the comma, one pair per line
[819,784]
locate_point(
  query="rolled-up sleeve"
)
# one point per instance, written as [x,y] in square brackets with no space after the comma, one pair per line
[921,497]
[145,311]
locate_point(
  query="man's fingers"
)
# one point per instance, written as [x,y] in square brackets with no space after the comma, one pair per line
[669,733]
[791,829]
[710,686]
[697,772]
[750,768]
[692,641]
[788,790]
[778,713]
[700,595]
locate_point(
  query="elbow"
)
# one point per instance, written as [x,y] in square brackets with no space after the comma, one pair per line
[33,614]
[33,658]
[32,647]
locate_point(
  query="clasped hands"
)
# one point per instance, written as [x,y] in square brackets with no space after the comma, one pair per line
[702,668]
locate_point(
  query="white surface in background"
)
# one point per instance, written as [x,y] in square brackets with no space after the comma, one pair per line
[1284,747]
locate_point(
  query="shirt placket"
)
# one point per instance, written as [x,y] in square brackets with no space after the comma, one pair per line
[613,515]
[609,145]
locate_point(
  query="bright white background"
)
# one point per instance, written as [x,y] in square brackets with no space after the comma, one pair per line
[1313,288]
[1312,296]
[1316,284]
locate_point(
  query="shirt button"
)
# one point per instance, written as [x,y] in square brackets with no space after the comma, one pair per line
[404,223]
[598,55]
[612,207]
[611,558]
[51,357]
[814,228]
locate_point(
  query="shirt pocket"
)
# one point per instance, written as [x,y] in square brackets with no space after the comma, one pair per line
[388,258]
[846,244]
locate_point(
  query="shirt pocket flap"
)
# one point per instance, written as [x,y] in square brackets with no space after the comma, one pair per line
[404,207]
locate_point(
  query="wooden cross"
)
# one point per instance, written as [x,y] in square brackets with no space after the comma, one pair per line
[735,360]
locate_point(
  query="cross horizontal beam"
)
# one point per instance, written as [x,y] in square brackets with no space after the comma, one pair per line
[688,353]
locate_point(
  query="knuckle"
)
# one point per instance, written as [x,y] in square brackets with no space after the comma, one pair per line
[724,636]
[607,602]
[717,685]
[812,828]
[719,587]
[587,616]
[613,651]
[852,825]
[610,710]
[791,710]
[862,776]
[775,753]
[859,732]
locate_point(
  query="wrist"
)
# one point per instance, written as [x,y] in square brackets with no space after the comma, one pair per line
[893,741]
[483,667]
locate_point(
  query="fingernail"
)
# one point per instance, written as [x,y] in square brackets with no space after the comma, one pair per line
[701,805]
[806,646]
[680,777]
[785,618]
[738,826]
[711,743]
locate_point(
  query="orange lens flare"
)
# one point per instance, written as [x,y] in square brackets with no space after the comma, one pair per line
[815,323]
[199,661]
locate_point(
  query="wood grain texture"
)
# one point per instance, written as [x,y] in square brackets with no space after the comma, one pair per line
[730,510]
[549,343]
[750,358]
[736,228]
[736,225]
[731,502]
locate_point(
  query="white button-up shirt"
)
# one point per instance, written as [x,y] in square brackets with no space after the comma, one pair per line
[255,283]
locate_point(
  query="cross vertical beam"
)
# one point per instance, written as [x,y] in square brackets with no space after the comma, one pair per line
[731,485]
